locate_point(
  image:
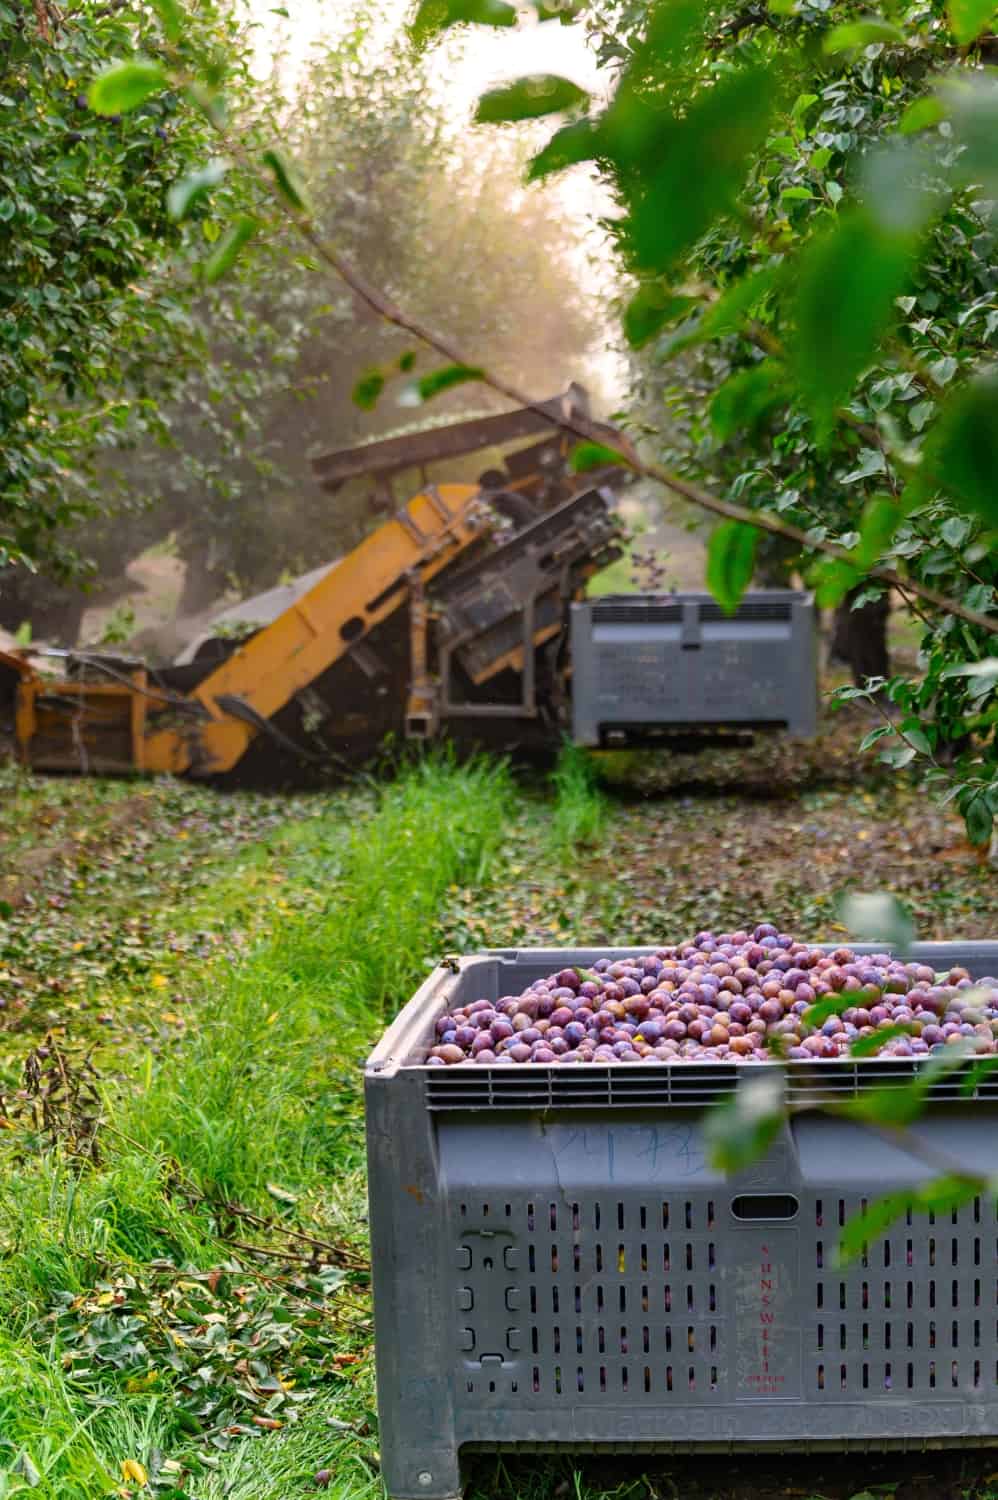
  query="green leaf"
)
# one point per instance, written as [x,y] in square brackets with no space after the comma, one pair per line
[286,180]
[798,194]
[832,579]
[731,562]
[444,379]
[968,18]
[881,518]
[741,1130]
[171,17]
[861,33]
[727,314]
[917,737]
[955,530]
[920,115]
[963,448]
[979,819]
[587,456]
[225,255]
[649,310]
[863,1227]
[869,1046]
[700,161]
[972,106]
[125,85]
[564,11]
[367,391]
[980,596]
[183,194]
[828,1005]
[898,756]
[941,1195]
[975,1076]
[987,667]
[572,143]
[878,917]
[407,361]
[899,1104]
[210,101]
[746,399]
[871,461]
[434,16]
[874,735]
[529,99]
[848,280]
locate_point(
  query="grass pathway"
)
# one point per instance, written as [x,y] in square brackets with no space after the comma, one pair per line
[190,1309]
[186,1312]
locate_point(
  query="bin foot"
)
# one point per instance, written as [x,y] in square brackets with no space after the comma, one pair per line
[408,1494]
[435,1476]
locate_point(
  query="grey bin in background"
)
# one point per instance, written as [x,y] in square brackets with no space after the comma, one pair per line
[557,1266]
[643,663]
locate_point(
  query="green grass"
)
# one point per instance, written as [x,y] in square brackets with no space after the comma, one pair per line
[263,1093]
[580,808]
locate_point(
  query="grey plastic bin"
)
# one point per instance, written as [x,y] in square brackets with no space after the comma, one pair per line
[557,1266]
[643,663]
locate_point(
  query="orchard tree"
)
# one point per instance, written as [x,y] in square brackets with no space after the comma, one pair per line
[94,323]
[436,223]
[736,415]
[252,372]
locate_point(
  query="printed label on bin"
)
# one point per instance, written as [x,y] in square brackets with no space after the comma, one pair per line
[768,1352]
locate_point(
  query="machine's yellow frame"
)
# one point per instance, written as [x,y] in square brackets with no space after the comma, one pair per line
[436,526]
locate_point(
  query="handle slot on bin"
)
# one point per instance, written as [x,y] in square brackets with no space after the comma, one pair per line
[753,1207]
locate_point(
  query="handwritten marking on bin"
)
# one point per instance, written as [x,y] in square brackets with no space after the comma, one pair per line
[630,1153]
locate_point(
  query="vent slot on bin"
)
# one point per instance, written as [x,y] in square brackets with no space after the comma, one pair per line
[602,1299]
[888,1323]
[749,610]
[636,614]
[594,1300]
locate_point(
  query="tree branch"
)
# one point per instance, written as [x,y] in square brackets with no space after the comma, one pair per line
[574,423]
[587,431]
[43,21]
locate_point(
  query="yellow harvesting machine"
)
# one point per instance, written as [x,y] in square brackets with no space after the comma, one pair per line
[451,617]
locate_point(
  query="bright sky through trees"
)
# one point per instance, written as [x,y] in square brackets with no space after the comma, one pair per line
[463,68]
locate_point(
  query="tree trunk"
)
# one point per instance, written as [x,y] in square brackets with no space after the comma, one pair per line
[53,610]
[859,638]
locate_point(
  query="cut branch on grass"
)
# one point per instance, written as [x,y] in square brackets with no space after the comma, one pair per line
[358,1263]
[345,1259]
